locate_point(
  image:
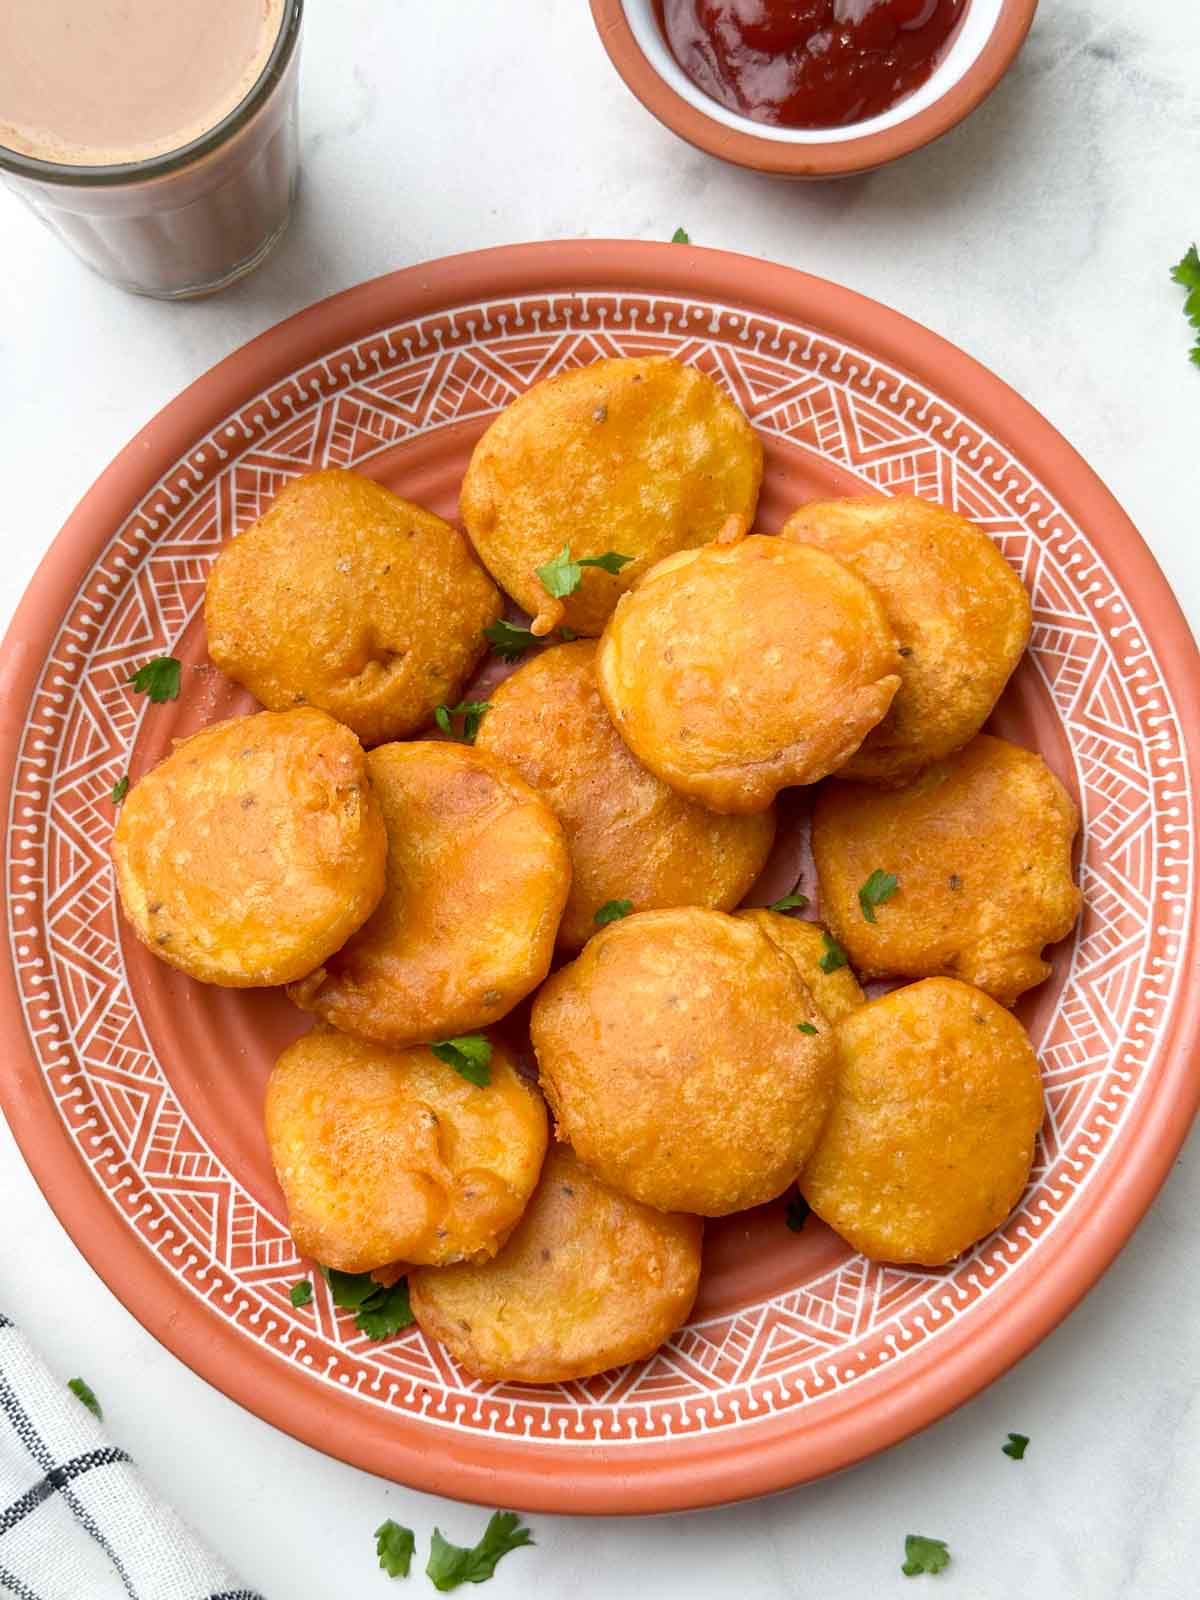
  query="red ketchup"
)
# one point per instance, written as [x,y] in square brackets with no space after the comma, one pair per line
[809,63]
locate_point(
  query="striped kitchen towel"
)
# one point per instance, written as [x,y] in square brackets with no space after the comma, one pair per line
[76,1520]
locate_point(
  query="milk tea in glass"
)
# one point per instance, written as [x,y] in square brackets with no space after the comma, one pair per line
[157,138]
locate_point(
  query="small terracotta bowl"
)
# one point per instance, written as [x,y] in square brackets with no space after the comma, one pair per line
[991,33]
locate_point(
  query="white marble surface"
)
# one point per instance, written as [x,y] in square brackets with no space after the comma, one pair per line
[1038,236]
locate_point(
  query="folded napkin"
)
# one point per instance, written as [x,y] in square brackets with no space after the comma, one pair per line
[76,1520]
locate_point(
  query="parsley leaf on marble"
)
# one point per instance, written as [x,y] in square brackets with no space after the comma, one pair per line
[469,1055]
[300,1293]
[382,1311]
[880,886]
[449,1564]
[834,956]
[1187,273]
[394,1546]
[798,1212]
[159,679]
[563,575]
[612,911]
[119,790]
[1016,1446]
[924,1555]
[471,711]
[681,236]
[84,1392]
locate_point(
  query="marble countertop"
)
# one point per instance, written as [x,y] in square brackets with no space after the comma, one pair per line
[1038,236]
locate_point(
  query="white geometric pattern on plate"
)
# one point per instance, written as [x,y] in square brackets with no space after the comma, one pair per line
[844,1325]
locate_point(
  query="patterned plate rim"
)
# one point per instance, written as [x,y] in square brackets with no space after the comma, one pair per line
[688,1471]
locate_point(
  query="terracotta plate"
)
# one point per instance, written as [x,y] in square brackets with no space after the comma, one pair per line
[135,1094]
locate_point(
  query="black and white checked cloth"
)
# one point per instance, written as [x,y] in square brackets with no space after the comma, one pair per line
[76,1520]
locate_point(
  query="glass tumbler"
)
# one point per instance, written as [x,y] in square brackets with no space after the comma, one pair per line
[194,219]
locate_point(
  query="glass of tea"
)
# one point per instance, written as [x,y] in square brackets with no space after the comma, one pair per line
[159,141]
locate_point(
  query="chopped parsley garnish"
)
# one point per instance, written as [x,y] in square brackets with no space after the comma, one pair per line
[792,901]
[1187,273]
[300,1293]
[879,887]
[469,1055]
[681,236]
[471,711]
[924,1555]
[159,679]
[806,1027]
[1016,1446]
[84,1392]
[382,1312]
[562,576]
[508,641]
[119,790]
[394,1546]
[449,1564]
[798,1213]
[834,956]
[612,911]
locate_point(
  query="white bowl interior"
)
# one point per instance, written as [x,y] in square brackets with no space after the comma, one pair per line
[977,28]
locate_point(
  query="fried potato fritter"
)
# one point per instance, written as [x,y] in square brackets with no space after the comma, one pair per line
[640,456]
[737,670]
[672,1057]
[589,1280]
[390,1155]
[477,877]
[344,596]
[630,836]
[254,850]
[935,1117]
[836,993]
[958,610]
[981,845]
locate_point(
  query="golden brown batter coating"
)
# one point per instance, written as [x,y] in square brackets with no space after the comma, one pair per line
[589,1280]
[640,456]
[254,850]
[957,608]
[737,670]
[630,836]
[477,877]
[346,597]
[672,1057]
[981,845]
[390,1155]
[935,1117]
[836,993]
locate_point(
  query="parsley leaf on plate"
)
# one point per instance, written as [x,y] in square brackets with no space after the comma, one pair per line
[1187,273]
[612,911]
[84,1392]
[1016,1446]
[507,640]
[384,1315]
[300,1293]
[792,901]
[806,1027]
[798,1212]
[681,236]
[159,679]
[394,1546]
[471,711]
[450,1565]
[381,1311]
[879,887]
[562,576]
[924,1555]
[469,1055]
[834,956]
[119,790]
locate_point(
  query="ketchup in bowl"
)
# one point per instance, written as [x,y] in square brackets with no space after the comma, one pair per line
[809,63]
